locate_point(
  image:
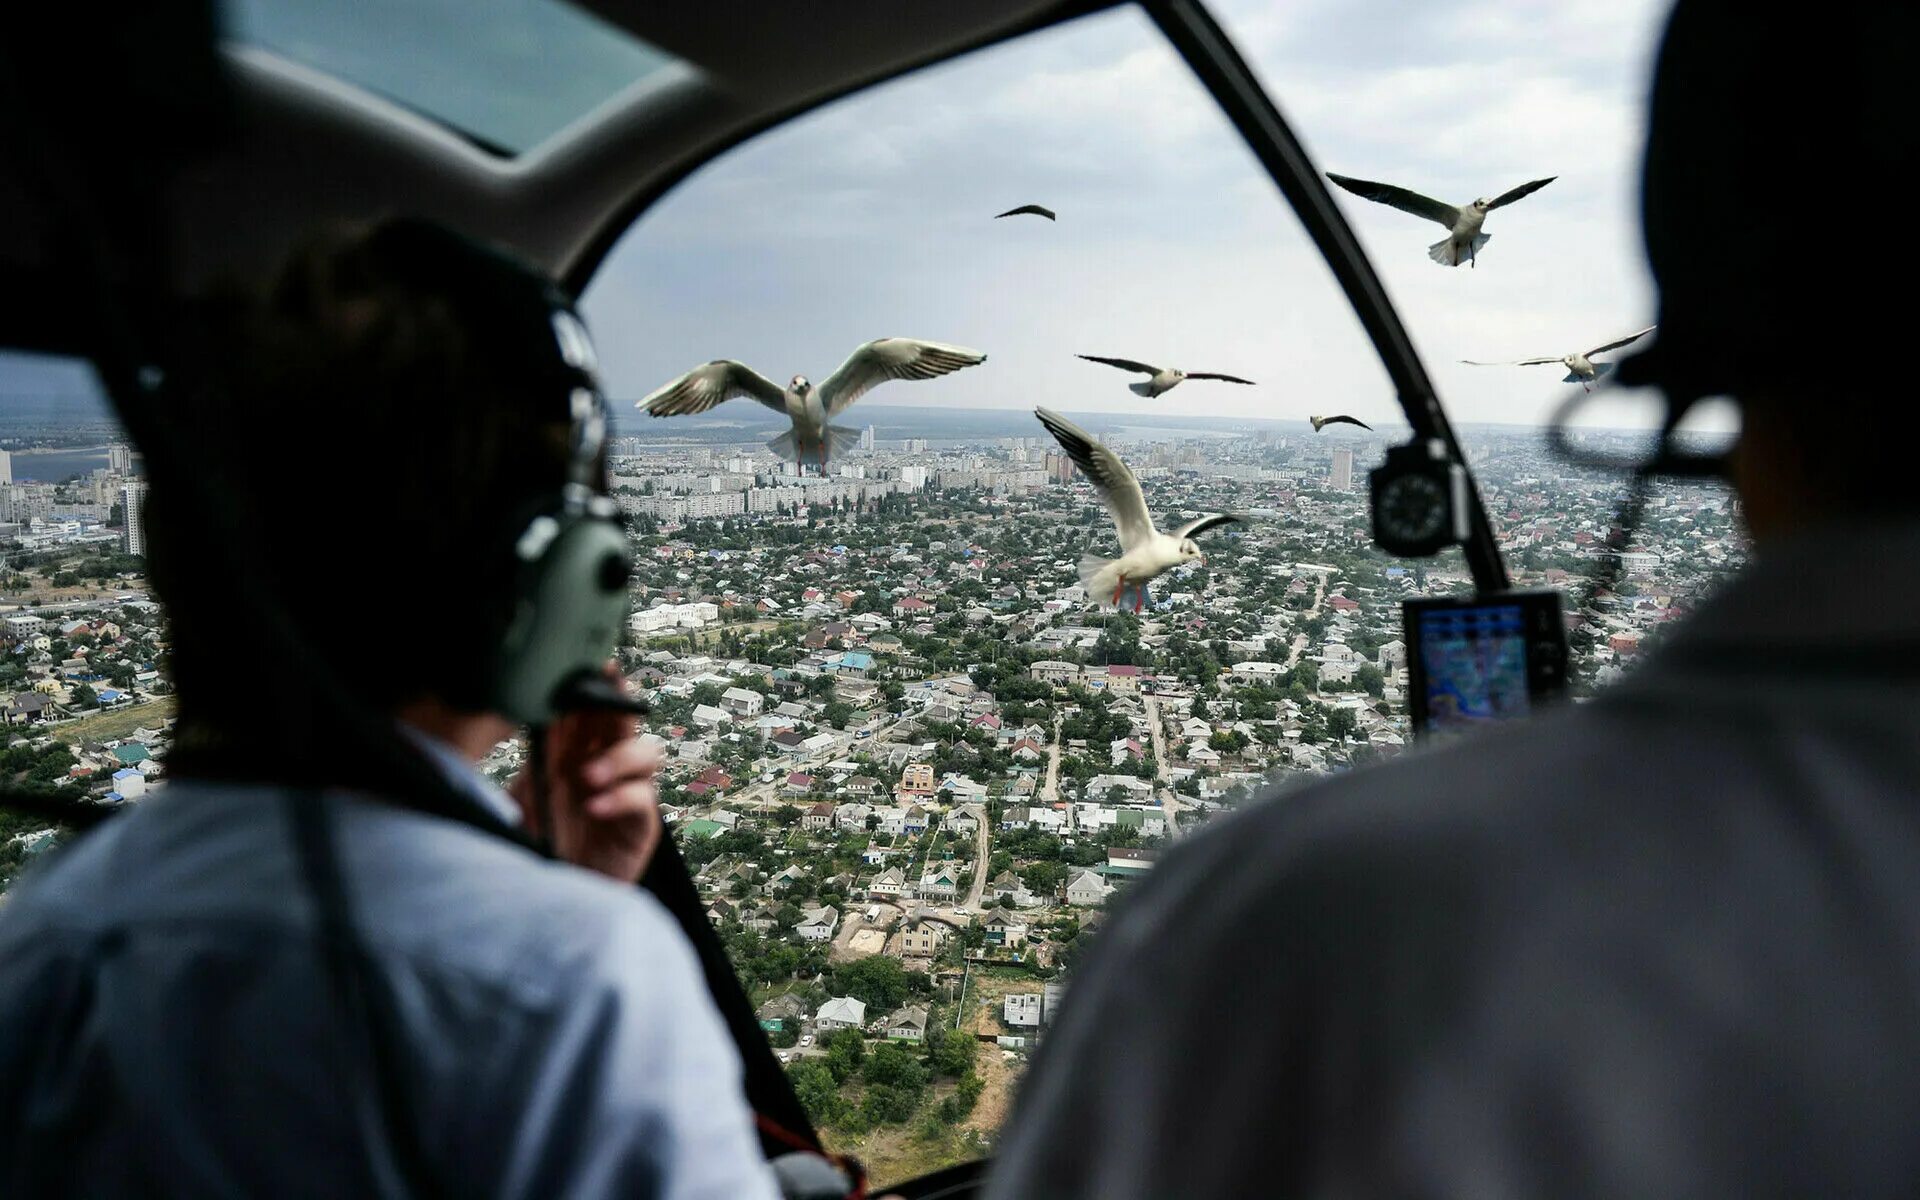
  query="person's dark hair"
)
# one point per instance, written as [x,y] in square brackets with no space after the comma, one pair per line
[1754,181]
[382,422]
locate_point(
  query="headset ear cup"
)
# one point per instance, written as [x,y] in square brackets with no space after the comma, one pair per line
[567,610]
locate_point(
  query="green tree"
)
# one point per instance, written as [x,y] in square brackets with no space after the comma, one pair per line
[879,981]
[892,1064]
[818,1090]
[955,1108]
[1341,723]
[846,1048]
[950,1052]
[1371,680]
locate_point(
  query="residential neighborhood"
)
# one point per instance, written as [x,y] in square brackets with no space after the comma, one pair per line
[911,766]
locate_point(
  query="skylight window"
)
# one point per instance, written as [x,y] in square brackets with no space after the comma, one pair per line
[509,74]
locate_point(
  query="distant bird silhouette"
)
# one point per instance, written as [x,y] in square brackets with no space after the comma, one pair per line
[1581,368]
[1035,209]
[1320,423]
[809,408]
[1145,552]
[1464,239]
[1164,378]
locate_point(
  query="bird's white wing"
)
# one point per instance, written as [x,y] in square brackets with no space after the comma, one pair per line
[1517,362]
[710,385]
[891,358]
[1400,198]
[1625,341]
[1118,489]
[1196,528]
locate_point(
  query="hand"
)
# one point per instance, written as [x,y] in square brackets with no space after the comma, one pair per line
[600,792]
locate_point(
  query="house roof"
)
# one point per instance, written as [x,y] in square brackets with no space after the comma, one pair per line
[911,1017]
[1003,915]
[845,1009]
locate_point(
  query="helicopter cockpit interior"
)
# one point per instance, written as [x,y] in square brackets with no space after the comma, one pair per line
[1035,188]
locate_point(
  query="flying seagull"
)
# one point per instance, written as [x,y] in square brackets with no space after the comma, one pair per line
[1320,423]
[1035,209]
[1145,552]
[1164,378]
[809,408]
[1581,368]
[1464,239]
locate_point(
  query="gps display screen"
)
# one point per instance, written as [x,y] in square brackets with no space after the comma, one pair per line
[1475,662]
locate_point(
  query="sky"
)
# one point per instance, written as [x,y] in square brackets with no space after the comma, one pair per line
[872,217]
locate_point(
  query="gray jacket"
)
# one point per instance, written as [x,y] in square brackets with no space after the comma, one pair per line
[1663,944]
[167,1029]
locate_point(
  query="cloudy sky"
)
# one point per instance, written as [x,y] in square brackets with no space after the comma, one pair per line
[871,218]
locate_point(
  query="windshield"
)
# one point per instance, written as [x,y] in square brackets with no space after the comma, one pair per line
[916,749]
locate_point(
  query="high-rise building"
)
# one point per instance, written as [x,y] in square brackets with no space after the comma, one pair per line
[866,438]
[133,497]
[6,468]
[1340,477]
[916,445]
[120,458]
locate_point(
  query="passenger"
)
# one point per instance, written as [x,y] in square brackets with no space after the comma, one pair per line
[168,1026]
[1663,944]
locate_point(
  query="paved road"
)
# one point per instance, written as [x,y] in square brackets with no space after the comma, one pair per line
[1050,790]
[981,838]
[1300,639]
[1170,803]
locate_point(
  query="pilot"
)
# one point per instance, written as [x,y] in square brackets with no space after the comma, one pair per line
[168,1027]
[1663,944]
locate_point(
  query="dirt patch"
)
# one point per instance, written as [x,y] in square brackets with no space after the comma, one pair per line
[998,1078]
[864,943]
[999,1075]
[856,937]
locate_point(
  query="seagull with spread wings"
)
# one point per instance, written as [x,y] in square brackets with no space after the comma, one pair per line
[1464,239]
[1027,209]
[1145,552]
[1162,378]
[809,408]
[1581,368]
[1320,423]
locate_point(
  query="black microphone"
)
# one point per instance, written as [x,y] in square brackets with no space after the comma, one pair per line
[588,691]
